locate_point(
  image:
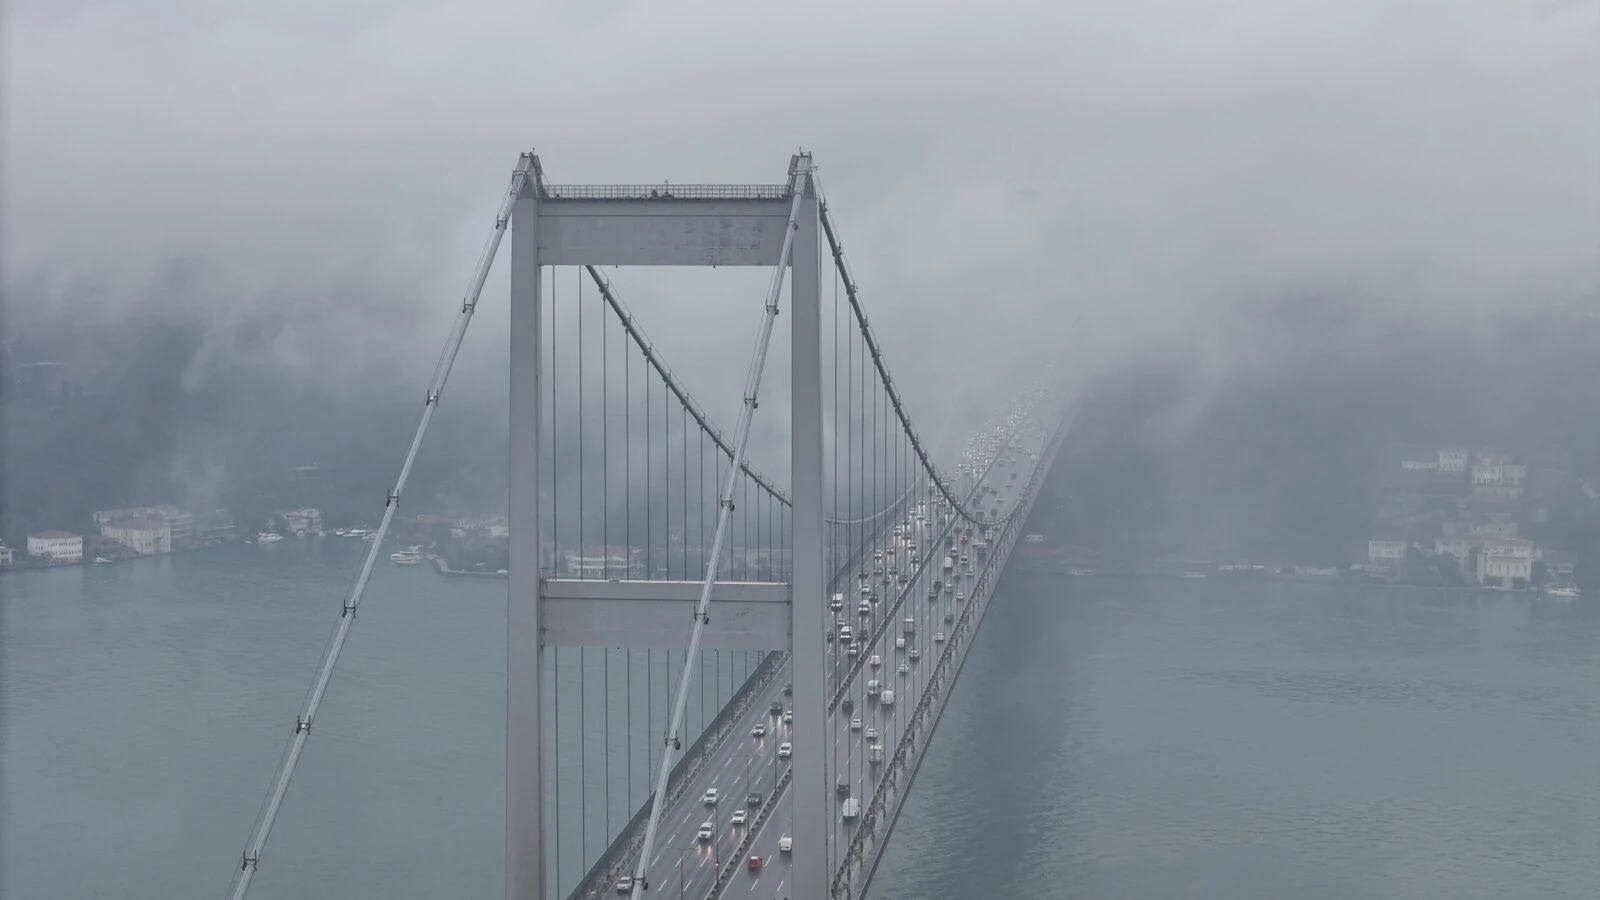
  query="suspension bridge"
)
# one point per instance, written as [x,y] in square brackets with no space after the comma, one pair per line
[714,682]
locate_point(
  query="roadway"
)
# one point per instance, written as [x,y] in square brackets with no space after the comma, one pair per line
[685,866]
[889,723]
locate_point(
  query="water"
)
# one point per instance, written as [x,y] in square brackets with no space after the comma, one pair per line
[1143,739]
[1107,739]
[148,704]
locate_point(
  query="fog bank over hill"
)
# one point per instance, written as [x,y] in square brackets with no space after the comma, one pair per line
[1282,447]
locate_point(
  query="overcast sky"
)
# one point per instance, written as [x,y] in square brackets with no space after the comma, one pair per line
[1145,160]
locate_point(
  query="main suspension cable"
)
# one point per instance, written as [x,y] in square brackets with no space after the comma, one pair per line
[852,294]
[441,374]
[701,616]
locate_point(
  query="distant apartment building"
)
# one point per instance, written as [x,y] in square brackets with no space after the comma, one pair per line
[301,522]
[1505,559]
[1382,551]
[1453,459]
[1459,547]
[7,558]
[56,546]
[180,524]
[144,535]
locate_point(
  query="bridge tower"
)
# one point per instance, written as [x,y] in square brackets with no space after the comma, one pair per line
[680,225]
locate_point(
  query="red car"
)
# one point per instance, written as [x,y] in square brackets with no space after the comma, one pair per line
[755,864]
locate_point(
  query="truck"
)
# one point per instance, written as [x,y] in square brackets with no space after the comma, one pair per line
[886,698]
[982,548]
[850,808]
[949,565]
[875,753]
[909,626]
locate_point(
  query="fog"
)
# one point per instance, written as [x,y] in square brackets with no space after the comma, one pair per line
[270,209]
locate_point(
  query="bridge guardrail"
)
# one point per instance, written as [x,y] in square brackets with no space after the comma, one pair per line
[888,799]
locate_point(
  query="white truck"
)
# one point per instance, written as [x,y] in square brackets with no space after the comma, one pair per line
[949,565]
[886,698]
[850,808]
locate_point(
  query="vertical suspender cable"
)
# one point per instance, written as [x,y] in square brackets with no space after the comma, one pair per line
[441,374]
[746,417]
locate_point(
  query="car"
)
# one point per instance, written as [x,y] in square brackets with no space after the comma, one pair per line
[915,654]
[711,797]
[788,717]
[899,643]
[739,817]
[904,668]
[775,707]
[785,844]
[759,731]
[788,688]
[753,799]
[785,750]
[872,734]
[624,884]
[754,864]
[874,660]
[852,650]
[938,637]
[855,724]
[706,832]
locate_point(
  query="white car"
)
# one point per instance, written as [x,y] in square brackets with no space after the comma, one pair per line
[785,844]
[785,749]
[624,884]
[874,660]
[738,817]
[872,734]
[938,637]
[760,730]
[899,643]
[788,717]
[710,798]
[904,668]
[707,830]
[855,724]
[915,654]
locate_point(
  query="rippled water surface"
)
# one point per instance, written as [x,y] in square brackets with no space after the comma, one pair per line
[1107,739]
[1146,739]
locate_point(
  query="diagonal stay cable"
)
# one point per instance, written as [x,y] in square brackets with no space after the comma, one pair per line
[347,613]
[741,439]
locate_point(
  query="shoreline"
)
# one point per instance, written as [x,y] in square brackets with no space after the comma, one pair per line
[1256,579]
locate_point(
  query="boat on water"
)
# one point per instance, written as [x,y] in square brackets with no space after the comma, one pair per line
[101,560]
[405,558]
[1563,592]
[268,537]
